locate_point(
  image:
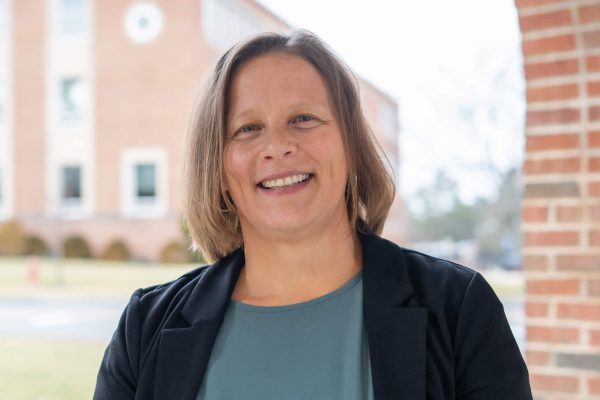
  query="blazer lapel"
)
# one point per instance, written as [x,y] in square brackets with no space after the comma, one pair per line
[184,351]
[396,327]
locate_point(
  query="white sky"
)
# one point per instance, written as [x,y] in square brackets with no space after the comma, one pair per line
[432,56]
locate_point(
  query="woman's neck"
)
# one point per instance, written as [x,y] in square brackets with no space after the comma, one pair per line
[279,272]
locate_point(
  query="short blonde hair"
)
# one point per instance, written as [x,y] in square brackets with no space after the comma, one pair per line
[208,210]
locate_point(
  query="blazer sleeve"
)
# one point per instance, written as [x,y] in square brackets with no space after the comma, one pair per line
[488,362]
[117,378]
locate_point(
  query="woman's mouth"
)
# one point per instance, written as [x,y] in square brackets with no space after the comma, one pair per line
[286,182]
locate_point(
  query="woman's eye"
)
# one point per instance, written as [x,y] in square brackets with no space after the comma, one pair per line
[305,121]
[303,118]
[245,131]
[248,128]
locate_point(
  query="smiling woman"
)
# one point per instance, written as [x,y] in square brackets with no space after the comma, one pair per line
[287,193]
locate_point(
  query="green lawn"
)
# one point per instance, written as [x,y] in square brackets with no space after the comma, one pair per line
[83,277]
[40,370]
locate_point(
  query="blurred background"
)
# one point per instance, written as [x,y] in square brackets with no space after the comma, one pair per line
[95,99]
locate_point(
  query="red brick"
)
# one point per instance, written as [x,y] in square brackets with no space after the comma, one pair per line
[594,238]
[552,117]
[589,13]
[593,63]
[556,383]
[535,309]
[535,263]
[578,262]
[594,164]
[594,139]
[591,39]
[579,311]
[552,238]
[595,337]
[538,358]
[553,286]
[593,385]
[568,214]
[550,93]
[593,88]
[535,3]
[535,214]
[552,334]
[594,188]
[595,213]
[552,142]
[547,20]
[594,112]
[552,68]
[552,166]
[594,287]
[554,44]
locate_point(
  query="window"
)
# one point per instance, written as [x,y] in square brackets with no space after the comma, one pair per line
[71,185]
[145,183]
[72,95]
[388,118]
[71,18]
[144,186]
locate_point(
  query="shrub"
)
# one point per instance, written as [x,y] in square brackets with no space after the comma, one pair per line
[36,246]
[76,247]
[175,252]
[116,250]
[12,238]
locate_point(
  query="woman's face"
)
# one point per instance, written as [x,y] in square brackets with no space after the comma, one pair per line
[285,165]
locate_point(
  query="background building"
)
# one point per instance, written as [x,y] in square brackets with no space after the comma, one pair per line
[95,99]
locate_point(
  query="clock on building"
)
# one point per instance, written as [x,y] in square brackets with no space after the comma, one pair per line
[143,22]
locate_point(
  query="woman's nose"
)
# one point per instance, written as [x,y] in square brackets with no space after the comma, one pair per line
[279,143]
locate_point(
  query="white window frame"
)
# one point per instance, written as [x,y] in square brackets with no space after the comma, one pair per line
[129,205]
[71,208]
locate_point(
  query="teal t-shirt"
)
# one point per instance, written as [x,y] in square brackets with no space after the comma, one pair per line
[311,350]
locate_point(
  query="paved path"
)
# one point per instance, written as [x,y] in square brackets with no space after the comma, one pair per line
[60,318]
[96,319]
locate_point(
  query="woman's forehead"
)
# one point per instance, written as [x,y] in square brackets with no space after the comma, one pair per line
[277,79]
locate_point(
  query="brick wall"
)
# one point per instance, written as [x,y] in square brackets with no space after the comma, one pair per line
[561,202]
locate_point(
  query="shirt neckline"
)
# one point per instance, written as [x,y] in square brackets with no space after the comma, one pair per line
[288,307]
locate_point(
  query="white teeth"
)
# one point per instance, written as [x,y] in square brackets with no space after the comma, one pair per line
[287,181]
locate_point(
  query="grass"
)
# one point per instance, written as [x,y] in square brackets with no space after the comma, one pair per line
[82,277]
[40,370]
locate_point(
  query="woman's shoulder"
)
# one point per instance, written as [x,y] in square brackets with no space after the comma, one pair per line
[437,283]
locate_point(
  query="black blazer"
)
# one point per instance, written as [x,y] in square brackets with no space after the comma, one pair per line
[435,329]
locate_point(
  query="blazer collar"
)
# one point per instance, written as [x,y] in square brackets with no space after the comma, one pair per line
[210,297]
[396,328]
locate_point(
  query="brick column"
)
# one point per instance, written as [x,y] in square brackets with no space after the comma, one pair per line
[561,200]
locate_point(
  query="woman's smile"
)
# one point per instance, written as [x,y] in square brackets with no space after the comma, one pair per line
[283,184]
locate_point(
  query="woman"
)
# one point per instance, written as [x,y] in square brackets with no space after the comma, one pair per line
[286,191]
